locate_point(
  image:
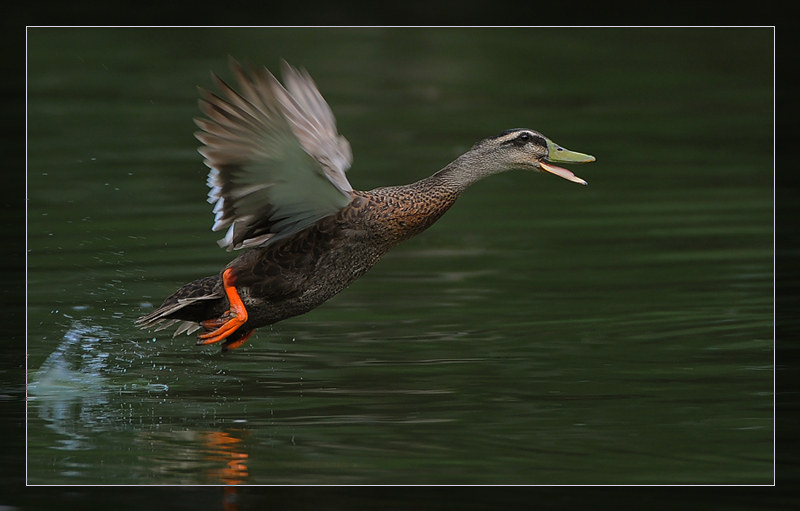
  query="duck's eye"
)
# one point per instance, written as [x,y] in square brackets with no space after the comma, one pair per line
[524,137]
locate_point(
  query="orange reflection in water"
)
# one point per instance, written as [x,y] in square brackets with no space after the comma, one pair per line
[221,447]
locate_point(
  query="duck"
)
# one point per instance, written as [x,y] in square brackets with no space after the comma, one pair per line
[279,189]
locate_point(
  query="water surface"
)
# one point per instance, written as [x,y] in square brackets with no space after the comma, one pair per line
[540,333]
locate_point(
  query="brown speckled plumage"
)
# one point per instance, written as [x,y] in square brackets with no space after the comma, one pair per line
[311,239]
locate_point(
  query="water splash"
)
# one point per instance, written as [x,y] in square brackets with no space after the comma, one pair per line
[70,388]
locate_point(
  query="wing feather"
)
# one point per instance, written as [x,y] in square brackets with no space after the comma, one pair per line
[277,161]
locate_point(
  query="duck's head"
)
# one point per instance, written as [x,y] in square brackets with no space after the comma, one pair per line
[522,148]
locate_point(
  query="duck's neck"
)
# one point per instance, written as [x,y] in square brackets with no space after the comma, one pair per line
[401,212]
[463,172]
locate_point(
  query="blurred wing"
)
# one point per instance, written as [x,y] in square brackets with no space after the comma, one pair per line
[277,162]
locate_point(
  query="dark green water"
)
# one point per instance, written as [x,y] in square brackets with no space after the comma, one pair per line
[541,333]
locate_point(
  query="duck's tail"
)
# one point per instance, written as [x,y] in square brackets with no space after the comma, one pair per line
[188,306]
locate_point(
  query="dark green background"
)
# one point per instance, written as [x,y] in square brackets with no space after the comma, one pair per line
[540,333]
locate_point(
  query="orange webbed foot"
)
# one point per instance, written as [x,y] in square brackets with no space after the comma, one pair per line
[229,322]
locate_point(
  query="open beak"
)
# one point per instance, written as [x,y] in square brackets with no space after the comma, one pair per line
[556,153]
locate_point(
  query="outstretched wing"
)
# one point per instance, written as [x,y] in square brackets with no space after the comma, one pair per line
[277,162]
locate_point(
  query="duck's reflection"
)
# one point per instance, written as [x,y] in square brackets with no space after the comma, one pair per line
[195,457]
[226,450]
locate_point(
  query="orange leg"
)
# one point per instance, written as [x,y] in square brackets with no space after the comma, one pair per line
[228,345]
[229,322]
